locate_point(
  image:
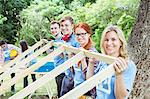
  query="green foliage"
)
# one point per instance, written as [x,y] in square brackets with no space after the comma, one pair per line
[10,24]
[2,19]
[103,13]
[126,22]
[118,12]
[35,20]
[98,13]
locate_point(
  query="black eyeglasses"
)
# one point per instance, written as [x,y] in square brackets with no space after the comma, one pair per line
[80,34]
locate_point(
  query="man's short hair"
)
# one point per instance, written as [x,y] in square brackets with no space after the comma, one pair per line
[55,22]
[2,42]
[67,18]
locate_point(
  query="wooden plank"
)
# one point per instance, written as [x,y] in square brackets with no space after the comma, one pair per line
[29,70]
[98,56]
[47,77]
[26,60]
[19,57]
[89,83]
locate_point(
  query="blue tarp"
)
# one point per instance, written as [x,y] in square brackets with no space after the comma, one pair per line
[46,67]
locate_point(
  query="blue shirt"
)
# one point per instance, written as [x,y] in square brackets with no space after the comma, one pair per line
[6,55]
[58,60]
[106,89]
[33,61]
[79,76]
[72,42]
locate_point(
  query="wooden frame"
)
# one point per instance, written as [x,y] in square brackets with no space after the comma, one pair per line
[76,92]
[26,60]
[51,75]
[19,57]
[81,54]
[29,70]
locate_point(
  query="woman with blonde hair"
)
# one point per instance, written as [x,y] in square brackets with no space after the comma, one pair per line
[117,86]
[120,34]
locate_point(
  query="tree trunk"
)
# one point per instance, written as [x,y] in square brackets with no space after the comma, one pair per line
[139,51]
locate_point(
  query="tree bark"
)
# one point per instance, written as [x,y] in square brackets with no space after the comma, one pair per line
[139,51]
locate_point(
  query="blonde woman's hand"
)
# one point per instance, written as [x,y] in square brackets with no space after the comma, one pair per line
[120,65]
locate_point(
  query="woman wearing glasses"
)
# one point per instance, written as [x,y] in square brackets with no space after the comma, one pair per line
[117,86]
[83,34]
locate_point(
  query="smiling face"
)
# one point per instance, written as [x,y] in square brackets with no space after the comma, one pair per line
[66,27]
[82,36]
[112,44]
[55,29]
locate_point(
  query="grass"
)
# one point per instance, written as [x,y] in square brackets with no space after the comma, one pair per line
[52,87]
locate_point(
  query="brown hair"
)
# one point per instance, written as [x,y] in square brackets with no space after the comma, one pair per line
[67,18]
[88,29]
[55,22]
[24,45]
[2,42]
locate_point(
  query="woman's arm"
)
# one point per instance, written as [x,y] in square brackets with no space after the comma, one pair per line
[91,65]
[120,88]
[90,68]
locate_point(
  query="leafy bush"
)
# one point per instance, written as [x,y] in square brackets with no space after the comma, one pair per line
[35,19]
[10,24]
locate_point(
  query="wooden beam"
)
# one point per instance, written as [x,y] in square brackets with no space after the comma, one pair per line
[89,83]
[29,70]
[98,56]
[47,77]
